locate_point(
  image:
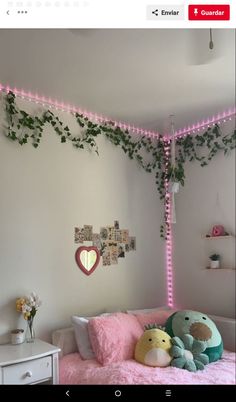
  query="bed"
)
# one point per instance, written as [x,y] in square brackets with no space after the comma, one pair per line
[74,370]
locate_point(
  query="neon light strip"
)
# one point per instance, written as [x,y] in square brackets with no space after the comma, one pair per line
[200,126]
[183,132]
[73,109]
[168,244]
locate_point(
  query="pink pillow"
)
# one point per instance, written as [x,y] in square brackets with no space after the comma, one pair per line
[156,317]
[114,337]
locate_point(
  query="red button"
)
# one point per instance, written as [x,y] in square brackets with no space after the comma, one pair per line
[208,12]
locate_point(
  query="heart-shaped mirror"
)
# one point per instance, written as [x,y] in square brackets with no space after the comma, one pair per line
[87,259]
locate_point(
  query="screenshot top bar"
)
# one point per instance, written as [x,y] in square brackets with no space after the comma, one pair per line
[117,14]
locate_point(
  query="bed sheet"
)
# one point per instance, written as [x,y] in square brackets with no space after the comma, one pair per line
[73,370]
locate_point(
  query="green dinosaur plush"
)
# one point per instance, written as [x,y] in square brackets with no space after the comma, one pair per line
[200,326]
[187,353]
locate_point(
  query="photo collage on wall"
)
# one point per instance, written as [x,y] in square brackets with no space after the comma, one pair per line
[112,241]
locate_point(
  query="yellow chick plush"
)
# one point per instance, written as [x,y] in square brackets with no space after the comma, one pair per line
[153,348]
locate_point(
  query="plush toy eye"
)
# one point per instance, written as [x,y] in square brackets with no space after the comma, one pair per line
[186,318]
[204,318]
[150,339]
[163,340]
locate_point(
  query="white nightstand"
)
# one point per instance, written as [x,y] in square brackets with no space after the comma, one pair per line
[29,363]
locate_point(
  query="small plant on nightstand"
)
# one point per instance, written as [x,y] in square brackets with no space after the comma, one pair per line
[215,261]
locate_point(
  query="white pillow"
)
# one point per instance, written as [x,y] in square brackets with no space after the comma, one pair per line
[80,325]
[147,310]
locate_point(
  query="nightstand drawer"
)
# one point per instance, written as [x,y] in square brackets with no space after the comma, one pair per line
[28,372]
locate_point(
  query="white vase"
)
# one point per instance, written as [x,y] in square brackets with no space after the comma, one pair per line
[215,264]
[30,333]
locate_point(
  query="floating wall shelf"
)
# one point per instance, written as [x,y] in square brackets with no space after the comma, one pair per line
[218,237]
[222,249]
[219,269]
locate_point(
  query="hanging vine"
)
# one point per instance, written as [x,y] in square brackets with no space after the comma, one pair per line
[211,141]
[148,153]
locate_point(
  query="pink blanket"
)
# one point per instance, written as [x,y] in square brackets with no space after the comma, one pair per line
[73,370]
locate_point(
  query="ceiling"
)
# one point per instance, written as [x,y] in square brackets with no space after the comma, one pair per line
[140,76]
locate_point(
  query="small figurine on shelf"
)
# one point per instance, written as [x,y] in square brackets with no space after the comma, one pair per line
[218,230]
[215,261]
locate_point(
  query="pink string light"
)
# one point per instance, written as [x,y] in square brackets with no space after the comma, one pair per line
[202,126]
[73,109]
[210,121]
[168,244]
[183,132]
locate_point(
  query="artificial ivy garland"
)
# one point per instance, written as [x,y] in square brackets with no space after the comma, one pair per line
[148,153]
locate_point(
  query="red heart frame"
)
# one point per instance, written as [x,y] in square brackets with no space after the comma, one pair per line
[79,262]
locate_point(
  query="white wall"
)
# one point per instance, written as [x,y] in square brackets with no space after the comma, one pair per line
[207,198]
[45,192]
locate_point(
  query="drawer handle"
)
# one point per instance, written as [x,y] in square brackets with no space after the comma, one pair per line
[28,374]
